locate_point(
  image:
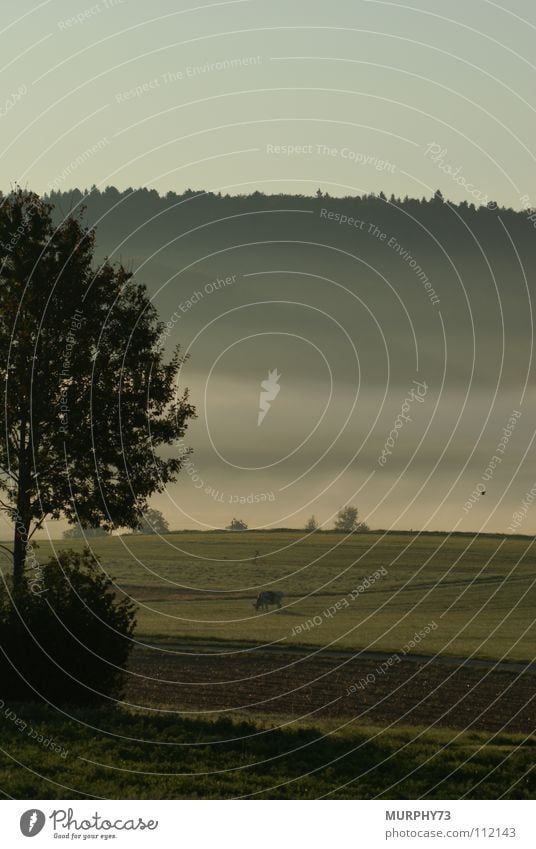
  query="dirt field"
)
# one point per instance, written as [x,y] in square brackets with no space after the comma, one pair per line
[405,692]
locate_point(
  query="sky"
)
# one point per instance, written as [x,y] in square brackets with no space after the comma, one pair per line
[348,97]
[212,95]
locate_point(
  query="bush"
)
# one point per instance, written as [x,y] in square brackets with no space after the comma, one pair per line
[70,640]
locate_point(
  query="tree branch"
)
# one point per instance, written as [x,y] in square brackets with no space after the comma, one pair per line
[9,507]
[38,524]
[9,474]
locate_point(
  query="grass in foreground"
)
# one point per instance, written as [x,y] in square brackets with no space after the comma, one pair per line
[229,758]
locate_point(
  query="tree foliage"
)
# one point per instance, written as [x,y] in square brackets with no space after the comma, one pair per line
[88,395]
[153,522]
[348,522]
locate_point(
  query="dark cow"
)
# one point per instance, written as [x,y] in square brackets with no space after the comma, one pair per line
[267,597]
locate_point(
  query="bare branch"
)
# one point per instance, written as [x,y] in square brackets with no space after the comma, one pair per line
[8,473]
[38,524]
[8,507]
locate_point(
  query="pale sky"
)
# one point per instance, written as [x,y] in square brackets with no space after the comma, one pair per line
[373,82]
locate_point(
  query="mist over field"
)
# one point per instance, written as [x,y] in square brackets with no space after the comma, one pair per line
[356,302]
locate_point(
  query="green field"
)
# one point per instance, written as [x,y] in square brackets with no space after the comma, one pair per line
[200,586]
[195,591]
[232,759]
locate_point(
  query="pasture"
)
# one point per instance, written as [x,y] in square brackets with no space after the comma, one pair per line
[223,701]
[199,588]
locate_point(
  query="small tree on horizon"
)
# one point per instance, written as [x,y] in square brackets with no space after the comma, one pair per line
[348,522]
[237,525]
[311,524]
[153,522]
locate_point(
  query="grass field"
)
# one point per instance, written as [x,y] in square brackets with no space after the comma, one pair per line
[221,714]
[200,587]
[238,758]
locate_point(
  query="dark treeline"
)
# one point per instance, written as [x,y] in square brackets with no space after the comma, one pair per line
[146,208]
[378,532]
[153,202]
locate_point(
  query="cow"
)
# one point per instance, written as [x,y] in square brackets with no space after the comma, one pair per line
[267,597]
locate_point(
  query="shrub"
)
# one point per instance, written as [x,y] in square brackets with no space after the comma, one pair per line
[69,640]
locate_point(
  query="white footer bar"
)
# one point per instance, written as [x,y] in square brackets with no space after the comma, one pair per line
[269,824]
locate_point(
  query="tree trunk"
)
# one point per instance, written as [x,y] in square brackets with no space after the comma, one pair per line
[22,513]
[22,530]
[19,551]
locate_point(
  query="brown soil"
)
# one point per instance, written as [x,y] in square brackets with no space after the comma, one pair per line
[406,692]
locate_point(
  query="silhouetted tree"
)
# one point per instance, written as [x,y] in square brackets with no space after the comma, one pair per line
[87,395]
[311,524]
